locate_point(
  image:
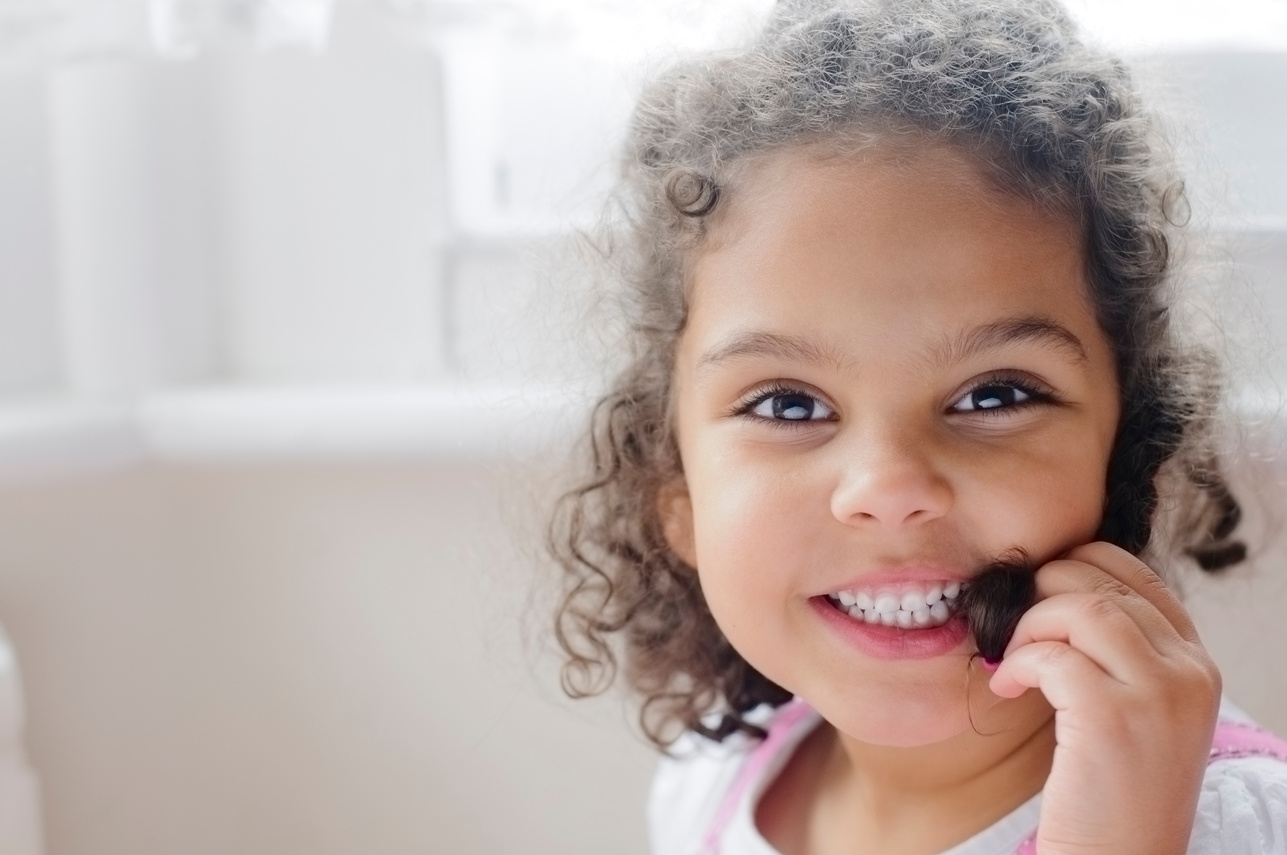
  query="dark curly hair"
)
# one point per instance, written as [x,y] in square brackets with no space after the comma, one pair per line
[1052,120]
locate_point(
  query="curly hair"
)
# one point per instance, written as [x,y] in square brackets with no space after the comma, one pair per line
[1051,120]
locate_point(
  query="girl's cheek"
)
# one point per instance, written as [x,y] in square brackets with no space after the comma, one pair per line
[749,518]
[1047,506]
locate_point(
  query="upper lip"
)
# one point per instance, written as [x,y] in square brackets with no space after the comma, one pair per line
[894,576]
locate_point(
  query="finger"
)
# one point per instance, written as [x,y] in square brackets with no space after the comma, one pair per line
[1098,627]
[1066,577]
[1142,579]
[1059,671]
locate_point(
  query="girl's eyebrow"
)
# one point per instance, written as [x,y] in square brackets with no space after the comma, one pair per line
[776,345]
[1037,329]
[969,343]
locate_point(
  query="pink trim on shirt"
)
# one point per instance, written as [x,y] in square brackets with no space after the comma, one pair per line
[779,730]
[1235,739]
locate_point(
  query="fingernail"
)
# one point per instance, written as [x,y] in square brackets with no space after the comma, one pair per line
[990,664]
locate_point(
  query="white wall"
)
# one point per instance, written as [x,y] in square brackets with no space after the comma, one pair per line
[333,213]
[30,362]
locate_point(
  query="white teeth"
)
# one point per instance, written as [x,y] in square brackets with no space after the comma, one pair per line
[887,603]
[917,608]
[892,600]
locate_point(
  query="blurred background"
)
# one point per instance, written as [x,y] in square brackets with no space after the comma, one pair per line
[295,331]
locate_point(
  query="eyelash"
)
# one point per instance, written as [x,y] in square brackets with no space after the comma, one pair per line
[746,407]
[1036,396]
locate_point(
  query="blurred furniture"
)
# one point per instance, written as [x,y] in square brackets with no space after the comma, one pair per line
[19,799]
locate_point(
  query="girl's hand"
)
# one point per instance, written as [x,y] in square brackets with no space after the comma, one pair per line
[1135,697]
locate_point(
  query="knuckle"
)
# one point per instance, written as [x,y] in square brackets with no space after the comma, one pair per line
[1100,609]
[1205,674]
[1107,586]
[1193,679]
[1057,655]
[1215,679]
[1151,582]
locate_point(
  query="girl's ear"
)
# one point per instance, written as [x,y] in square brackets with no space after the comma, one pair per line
[675,509]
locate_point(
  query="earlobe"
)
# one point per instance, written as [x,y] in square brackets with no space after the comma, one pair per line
[675,509]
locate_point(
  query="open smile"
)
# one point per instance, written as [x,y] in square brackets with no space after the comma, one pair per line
[925,630]
[919,605]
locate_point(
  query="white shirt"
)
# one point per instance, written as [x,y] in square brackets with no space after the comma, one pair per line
[1242,809]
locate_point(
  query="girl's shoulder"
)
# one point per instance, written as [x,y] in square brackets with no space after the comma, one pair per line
[1243,804]
[687,788]
[699,779]
[1242,809]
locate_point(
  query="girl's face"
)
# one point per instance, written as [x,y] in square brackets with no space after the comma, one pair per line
[890,374]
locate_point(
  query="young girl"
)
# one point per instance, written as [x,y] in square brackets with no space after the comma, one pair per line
[902,280]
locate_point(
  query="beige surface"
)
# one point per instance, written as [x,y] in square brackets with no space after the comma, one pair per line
[298,661]
[330,660]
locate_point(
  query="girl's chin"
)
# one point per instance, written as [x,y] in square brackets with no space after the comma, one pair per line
[899,721]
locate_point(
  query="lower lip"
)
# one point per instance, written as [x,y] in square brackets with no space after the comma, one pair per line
[892,642]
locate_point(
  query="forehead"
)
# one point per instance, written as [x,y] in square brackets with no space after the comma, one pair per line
[936,174]
[906,242]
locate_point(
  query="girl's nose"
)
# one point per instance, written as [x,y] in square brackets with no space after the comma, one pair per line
[891,484]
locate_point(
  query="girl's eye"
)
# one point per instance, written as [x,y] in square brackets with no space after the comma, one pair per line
[994,396]
[787,406]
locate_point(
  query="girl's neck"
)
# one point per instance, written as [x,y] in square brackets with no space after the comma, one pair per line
[924,799]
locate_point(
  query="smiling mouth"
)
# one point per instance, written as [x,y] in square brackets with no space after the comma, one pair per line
[907,607]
